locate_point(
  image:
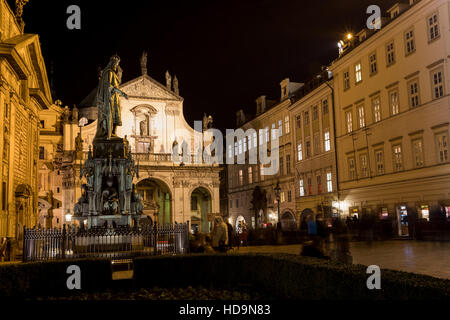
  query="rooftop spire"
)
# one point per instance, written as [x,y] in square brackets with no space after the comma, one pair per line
[144,63]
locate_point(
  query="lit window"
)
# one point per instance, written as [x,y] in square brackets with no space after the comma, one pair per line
[326,139]
[433,27]
[393,102]
[376,109]
[361,117]
[241,178]
[418,152]
[274,133]
[250,175]
[302,189]
[299,152]
[358,73]
[410,45]
[390,53]
[363,164]
[442,144]
[261,172]
[329,182]
[280,128]
[346,80]
[351,169]
[379,159]
[413,91]
[437,84]
[349,118]
[286,124]
[373,63]
[398,159]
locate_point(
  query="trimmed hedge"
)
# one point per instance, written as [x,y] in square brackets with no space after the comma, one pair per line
[31,279]
[285,277]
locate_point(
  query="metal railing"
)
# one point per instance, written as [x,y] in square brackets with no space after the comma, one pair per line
[114,243]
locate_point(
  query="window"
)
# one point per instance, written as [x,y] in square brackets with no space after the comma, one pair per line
[286,124]
[398,159]
[41,153]
[393,102]
[376,109]
[325,106]
[316,143]
[361,117]
[241,177]
[442,144]
[231,204]
[358,73]
[308,149]
[418,153]
[281,169]
[329,182]
[433,27]
[42,124]
[315,114]
[413,90]
[282,197]
[274,133]
[410,45]
[280,128]
[288,164]
[299,152]
[349,118]
[373,63]
[363,164]
[237,203]
[326,138]
[57,190]
[319,184]
[302,189]
[261,172]
[298,121]
[351,169]
[306,117]
[4,195]
[390,53]
[309,186]
[379,159]
[346,80]
[289,195]
[250,175]
[437,84]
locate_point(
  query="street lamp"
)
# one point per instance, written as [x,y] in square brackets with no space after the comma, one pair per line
[277,190]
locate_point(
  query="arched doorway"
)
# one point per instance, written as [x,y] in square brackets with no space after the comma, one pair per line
[157,200]
[306,214]
[288,221]
[200,207]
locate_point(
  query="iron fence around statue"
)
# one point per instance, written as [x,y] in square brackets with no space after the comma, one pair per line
[114,243]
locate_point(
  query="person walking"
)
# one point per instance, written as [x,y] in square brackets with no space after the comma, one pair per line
[219,235]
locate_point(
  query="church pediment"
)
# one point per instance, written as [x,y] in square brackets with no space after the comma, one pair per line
[146,87]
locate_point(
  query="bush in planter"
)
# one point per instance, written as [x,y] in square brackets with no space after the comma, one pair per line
[50,277]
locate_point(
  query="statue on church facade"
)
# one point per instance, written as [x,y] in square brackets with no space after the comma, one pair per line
[108,100]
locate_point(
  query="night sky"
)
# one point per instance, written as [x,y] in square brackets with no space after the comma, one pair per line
[224,53]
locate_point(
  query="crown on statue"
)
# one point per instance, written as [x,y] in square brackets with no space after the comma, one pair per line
[115,58]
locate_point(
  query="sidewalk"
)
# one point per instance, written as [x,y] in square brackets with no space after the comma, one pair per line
[423,257]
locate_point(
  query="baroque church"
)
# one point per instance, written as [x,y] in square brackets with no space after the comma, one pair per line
[153,123]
